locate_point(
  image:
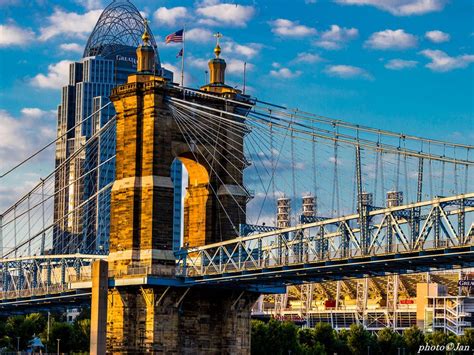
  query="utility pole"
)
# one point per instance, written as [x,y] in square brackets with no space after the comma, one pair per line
[58,344]
[18,344]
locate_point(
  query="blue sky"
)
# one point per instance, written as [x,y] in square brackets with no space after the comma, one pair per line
[404,65]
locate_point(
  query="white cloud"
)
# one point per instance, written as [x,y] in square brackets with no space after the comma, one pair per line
[307,58]
[227,14]
[236,66]
[400,7]
[170,16]
[198,63]
[347,72]
[285,73]
[22,135]
[442,62]
[69,24]
[398,64]
[249,50]
[287,28]
[57,76]
[437,36]
[71,47]
[90,4]
[336,37]
[177,74]
[198,35]
[11,35]
[310,1]
[391,39]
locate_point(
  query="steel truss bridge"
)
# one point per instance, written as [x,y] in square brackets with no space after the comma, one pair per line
[336,248]
[46,260]
[327,249]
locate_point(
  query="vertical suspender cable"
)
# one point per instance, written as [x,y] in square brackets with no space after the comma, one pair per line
[293,177]
[442,172]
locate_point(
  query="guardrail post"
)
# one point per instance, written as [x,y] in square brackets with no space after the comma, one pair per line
[21,276]
[77,267]
[280,257]
[240,256]
[202,262]
[48,274]
[185,266]
[436,226]
[220,259]
[461,222]
[6,278]
[63,272]
[389,239]
[345,240]
[301,246]
[35,274]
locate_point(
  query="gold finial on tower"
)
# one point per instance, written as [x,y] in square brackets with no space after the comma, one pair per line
[217,50]
[146,35]
[145,53]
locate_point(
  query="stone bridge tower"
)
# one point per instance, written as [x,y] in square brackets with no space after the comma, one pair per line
[149,310]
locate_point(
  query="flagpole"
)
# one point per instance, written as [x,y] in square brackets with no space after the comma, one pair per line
[182,58]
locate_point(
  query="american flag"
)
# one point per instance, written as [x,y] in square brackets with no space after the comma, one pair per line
[175,37]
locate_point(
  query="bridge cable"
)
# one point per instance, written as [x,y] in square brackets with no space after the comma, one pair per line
[51,143]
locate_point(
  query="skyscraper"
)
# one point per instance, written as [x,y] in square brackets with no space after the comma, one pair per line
[82,204]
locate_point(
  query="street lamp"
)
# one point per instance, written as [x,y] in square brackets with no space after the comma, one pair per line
[18,344]
[58,344]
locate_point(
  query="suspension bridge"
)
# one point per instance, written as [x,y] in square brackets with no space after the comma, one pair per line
[288,153]
[380,203]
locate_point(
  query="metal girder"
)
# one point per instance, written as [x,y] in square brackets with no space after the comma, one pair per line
[337,240]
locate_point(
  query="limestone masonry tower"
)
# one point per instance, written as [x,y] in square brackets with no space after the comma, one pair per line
[149,310]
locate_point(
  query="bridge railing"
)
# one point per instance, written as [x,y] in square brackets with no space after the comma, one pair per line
[44,274]
[426,226]
[32,292]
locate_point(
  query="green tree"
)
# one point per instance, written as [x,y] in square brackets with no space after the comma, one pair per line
[316,349]
[389,341]
[4,338]
[274,338]
[65,333]
[82,330]
[467,338]
[309,344]
[33,324]
[84,314]
[259,337]
[360,341]
[14,330]
[306,337]
[341,342]
[282,337]
[413,337]
[325,335]
[436,338]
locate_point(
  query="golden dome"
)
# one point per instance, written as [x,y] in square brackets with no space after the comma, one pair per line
[217,50]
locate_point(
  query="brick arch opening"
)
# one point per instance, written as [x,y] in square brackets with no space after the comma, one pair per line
[196,202]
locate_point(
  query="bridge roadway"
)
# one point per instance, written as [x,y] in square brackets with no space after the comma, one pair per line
[419,237]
